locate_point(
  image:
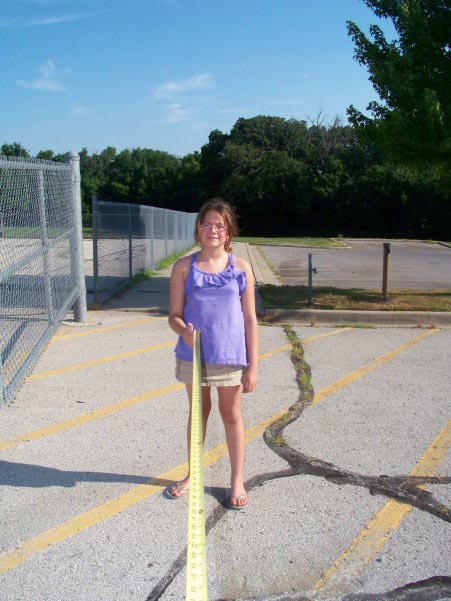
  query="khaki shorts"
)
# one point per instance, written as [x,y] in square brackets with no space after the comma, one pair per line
[211,375]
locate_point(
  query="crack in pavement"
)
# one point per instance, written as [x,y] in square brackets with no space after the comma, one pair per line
[401,488]
[405,489]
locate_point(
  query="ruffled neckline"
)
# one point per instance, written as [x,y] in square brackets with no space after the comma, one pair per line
[202,279]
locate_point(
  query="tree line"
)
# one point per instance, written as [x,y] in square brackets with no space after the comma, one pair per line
[387,174]
[285,177]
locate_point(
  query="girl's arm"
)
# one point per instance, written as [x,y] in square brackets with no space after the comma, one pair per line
[177,301]
[250,328]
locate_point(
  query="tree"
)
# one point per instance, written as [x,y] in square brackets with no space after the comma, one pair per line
[212,162]
[14,150]
[412,76]
[271,133]
[47,155]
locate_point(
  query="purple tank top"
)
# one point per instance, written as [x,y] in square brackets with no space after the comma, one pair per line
[213,305]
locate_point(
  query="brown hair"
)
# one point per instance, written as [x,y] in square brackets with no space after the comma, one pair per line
[227,213]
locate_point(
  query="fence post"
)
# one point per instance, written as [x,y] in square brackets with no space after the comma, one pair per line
[80,309]
[130,242]
[45,247]
[3,398]
[148,236]
[95,249]
[165,233]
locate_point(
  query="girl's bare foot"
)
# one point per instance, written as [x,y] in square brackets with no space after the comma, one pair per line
[179,488]
[238,497]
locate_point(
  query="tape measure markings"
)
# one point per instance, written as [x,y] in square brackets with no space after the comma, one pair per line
[196,566]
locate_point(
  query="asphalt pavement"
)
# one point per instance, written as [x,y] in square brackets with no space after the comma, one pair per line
[349,491]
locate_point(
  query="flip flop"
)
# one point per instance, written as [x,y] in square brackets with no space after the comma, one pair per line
[178,489]
[237,507]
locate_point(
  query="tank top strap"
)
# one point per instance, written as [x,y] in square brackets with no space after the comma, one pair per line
[231,261]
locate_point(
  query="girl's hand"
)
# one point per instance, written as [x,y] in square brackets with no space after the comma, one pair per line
[188,335]
[249,379]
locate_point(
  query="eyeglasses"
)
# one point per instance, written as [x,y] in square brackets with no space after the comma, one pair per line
[209,228]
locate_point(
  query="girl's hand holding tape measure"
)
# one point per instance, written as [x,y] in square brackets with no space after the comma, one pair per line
[188,335]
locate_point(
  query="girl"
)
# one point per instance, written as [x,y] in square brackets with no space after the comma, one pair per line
[212,290]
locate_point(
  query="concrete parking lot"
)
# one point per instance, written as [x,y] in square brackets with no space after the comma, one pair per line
[359,264]
[349,495]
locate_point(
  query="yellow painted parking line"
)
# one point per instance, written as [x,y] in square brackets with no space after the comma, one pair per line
[124,404]
[102,412]
[287,347]
[11,559]
[100,361]
[324,335]
[102,329]
[147,349]
[376,533]
[88,417]
[371,366]
[14,557]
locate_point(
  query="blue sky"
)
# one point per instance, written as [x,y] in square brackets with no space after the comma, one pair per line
[163,74]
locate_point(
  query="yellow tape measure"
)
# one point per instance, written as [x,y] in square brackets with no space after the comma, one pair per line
[196,566]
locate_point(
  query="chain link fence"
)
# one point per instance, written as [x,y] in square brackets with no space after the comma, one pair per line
[128,239]
[41,261]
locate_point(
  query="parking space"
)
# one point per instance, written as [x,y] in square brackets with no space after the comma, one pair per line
[359,264]
[350,498]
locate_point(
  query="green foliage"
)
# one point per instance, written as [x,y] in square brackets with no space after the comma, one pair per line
[140,175]
[284,177]
[412,76]
[14,150]
[49,155]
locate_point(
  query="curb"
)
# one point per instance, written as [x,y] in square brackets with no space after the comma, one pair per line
[418,319]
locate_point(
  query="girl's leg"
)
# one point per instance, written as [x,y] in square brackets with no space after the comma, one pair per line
[230,409]
[183,485]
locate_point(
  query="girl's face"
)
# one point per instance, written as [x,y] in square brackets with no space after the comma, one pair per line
[213,230]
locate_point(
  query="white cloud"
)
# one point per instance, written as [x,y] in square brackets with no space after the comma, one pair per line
[81,110]
[57,20]
[46,85]
[49,80]
[203,81]
[176,113]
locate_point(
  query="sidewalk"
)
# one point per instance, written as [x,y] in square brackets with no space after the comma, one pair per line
[152,296]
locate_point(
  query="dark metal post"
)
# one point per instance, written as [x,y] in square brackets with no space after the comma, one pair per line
[310,280]
[385,271]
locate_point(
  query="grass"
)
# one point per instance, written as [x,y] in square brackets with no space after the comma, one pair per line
[305,242]
[295,297]
[165,262]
